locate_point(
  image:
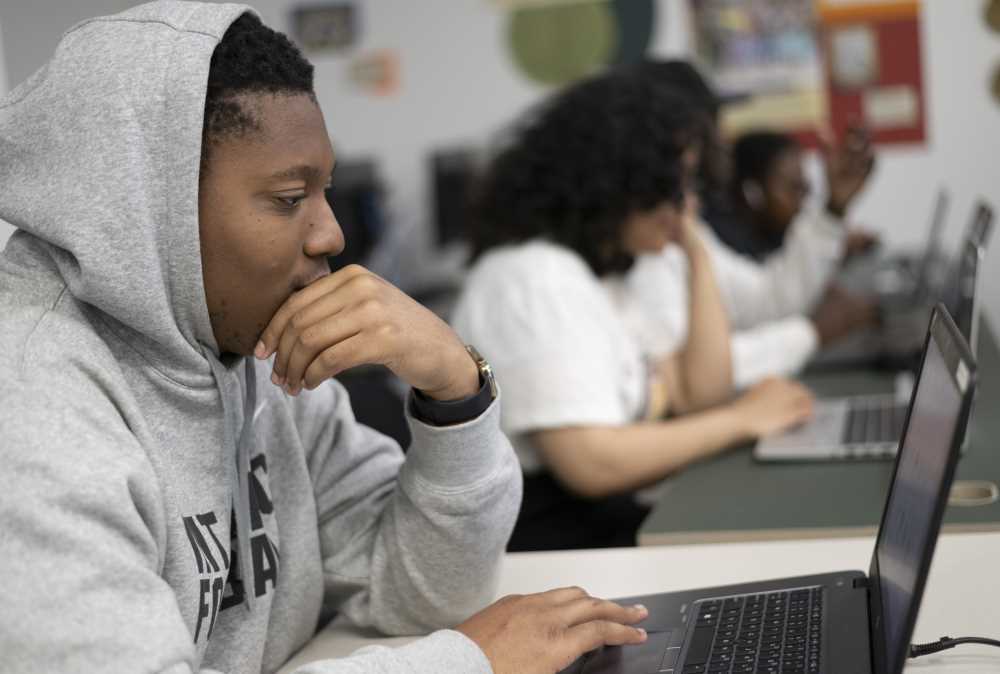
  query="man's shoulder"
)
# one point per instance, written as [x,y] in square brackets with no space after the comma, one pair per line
[50,338]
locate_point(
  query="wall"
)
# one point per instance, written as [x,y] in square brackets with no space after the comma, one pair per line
[459,85]
[964,139]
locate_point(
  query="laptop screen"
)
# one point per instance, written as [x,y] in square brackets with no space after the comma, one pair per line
[908,525]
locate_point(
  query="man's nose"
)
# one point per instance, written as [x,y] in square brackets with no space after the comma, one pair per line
[325,238]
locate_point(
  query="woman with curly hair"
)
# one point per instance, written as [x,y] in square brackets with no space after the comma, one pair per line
[596,176]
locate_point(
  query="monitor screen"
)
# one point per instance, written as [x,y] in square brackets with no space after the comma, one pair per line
[932,250]
[964,308]
[908,526]
[981,226]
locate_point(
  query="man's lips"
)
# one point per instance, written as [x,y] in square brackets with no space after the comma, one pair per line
[299,285]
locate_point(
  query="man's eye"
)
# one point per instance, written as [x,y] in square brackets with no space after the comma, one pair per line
[290,202]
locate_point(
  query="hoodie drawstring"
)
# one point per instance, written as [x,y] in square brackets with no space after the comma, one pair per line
[240,451]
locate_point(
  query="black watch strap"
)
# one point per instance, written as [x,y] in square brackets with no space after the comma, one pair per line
[451,412]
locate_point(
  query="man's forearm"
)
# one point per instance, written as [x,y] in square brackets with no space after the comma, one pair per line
[439,545]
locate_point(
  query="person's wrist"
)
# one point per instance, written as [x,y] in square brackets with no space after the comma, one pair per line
[739,423]
[464,382]
[694,250]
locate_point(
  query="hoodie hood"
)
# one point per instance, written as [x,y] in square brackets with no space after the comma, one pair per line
[101,153]
[99,158]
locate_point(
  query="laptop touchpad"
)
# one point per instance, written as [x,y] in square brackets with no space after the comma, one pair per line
[644,658]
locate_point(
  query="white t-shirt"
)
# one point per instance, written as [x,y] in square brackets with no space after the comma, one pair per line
[559,348]
[766,302]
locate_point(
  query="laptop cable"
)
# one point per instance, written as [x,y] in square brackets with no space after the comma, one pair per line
[918,650]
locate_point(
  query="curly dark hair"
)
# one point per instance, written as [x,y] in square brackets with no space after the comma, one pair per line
[681,76]
[577,166]
[755,154]
[250,58]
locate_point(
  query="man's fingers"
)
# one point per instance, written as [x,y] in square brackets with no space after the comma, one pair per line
[561,595]
[301,299]
[302,332]
[315,339]
[587,609]
[588,636]
[359,290]
[339,357]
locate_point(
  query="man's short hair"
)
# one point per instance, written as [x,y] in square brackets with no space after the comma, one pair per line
[250,59]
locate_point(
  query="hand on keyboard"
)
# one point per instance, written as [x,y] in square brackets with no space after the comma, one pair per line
[772,406]
[544,633]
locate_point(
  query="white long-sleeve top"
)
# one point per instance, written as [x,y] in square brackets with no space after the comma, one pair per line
[767,302]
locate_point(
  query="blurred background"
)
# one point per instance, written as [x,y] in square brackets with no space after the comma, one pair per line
[415,93]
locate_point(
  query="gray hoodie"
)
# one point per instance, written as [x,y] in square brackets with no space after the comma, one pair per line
[162,508]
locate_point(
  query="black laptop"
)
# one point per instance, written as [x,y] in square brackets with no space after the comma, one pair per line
[834,622]
[895,343]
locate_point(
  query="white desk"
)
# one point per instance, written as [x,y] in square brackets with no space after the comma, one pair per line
[962,596]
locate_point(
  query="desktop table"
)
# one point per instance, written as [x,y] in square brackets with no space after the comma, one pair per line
[962,596]
[732,497]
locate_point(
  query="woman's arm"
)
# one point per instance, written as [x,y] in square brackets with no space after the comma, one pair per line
[597,461]
[700,374]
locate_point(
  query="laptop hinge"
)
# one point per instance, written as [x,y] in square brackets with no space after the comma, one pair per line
[860,583]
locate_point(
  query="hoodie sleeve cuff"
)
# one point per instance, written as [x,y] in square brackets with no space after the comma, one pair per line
[460,454]
[449,412]
[441,651]
[446,651]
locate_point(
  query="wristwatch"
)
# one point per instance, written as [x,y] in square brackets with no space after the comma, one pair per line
[485,370]
[450,412]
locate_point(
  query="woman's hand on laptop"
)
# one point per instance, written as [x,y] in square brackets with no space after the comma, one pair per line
[544,633]
[772,406]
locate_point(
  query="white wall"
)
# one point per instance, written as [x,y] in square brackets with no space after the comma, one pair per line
[962,153]
[458,84]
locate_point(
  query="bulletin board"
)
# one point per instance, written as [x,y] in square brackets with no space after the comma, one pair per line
[816,63]
[872,66]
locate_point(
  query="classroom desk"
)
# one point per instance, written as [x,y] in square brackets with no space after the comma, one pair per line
[731,497]
[962,596]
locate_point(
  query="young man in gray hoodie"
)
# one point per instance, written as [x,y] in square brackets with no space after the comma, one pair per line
[183,488]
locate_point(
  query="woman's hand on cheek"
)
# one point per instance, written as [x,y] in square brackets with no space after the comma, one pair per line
[353,317]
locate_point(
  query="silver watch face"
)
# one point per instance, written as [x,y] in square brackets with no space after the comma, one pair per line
[485,369]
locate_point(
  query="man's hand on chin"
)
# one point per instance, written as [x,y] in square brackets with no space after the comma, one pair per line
[354,317]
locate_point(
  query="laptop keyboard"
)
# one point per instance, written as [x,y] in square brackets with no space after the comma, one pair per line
[769,633]
[878,423]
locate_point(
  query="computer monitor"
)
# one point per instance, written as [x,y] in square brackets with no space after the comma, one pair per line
[966,300]
[932,250]
[981,227]
[356,197]
[453,174]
